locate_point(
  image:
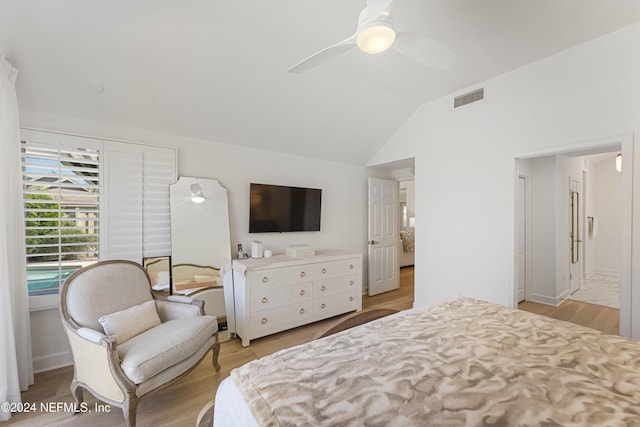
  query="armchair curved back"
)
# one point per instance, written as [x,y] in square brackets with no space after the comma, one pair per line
[103,288]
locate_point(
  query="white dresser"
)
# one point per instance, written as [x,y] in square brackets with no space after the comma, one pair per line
[278,293]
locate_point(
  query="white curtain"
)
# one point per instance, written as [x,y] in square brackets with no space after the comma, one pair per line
[16,369]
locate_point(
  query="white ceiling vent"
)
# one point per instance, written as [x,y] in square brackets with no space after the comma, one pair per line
[468,98]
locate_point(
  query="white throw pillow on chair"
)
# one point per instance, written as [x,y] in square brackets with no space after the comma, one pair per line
[126,324]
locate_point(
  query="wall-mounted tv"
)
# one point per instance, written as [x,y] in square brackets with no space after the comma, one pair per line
[277,208]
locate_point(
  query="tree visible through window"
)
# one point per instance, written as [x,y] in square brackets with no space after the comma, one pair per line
[61,187]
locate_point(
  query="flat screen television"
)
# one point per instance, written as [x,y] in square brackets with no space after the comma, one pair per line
[278,208]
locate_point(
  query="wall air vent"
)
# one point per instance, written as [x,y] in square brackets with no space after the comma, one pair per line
[468,98]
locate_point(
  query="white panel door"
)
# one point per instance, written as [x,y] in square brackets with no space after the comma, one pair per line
[383,236]
[521,235]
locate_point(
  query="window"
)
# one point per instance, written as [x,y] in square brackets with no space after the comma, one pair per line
[61,195]
[86,200]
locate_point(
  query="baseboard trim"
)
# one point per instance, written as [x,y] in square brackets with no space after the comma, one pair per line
[563,296]
[543,299]
[52,361]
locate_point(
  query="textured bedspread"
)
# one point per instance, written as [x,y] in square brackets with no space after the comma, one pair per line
[461,363]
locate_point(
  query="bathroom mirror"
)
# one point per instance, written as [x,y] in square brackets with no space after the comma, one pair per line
[201,245]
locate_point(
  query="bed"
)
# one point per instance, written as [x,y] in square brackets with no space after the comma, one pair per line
[463,362]
[406,249]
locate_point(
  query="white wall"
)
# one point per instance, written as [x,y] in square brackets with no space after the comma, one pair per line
[344,191]
[542,241]
[344,201]
[549,241]
[465,207]
[49,344]
[604,203]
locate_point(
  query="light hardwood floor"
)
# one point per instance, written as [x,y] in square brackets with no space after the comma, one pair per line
[600,317]
[179,404]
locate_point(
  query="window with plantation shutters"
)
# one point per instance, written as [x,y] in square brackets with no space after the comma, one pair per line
[61,196]
[86,200]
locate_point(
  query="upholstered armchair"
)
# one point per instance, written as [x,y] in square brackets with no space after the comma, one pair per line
[127,343]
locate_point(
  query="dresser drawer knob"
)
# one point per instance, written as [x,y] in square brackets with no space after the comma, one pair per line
[265,279]
[302,273]
[264,300]
[324,270]
[302,292]
[302,311]
[350,282]
[350,266]
[350,298]
[323,288]
[264,320]
[323,306]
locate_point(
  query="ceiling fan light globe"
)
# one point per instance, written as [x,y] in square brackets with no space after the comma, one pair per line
[376,39]
[197,196]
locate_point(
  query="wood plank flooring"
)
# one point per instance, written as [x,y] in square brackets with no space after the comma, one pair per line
[600,317]
[180,404]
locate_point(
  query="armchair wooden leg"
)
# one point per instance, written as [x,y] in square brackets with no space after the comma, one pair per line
[129,410]
[216,352]
[76,392]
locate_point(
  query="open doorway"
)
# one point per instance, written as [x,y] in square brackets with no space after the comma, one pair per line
[407,212]
[563,198]
[599,213]
[402,174]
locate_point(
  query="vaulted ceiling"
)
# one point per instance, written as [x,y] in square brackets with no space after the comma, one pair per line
[217,70]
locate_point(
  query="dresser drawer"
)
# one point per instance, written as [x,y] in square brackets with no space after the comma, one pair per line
[275,277]
[327,270]
[265,298]
[281,318]
[336,304]
[326,287]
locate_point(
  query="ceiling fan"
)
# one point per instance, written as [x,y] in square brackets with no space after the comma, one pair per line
[376,34]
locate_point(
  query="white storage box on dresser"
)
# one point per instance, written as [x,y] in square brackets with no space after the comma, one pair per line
[281,292]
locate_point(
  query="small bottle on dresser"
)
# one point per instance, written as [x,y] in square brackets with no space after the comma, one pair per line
[241,255]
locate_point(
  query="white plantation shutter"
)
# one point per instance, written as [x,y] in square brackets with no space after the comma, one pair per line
[159,172]
[123,195]
[137,193]
[61,196]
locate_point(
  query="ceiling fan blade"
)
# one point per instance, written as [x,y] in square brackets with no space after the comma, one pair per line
[376,8]
[424,50]
[324,55]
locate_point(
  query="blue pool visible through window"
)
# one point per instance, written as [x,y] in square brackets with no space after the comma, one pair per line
[45,280]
